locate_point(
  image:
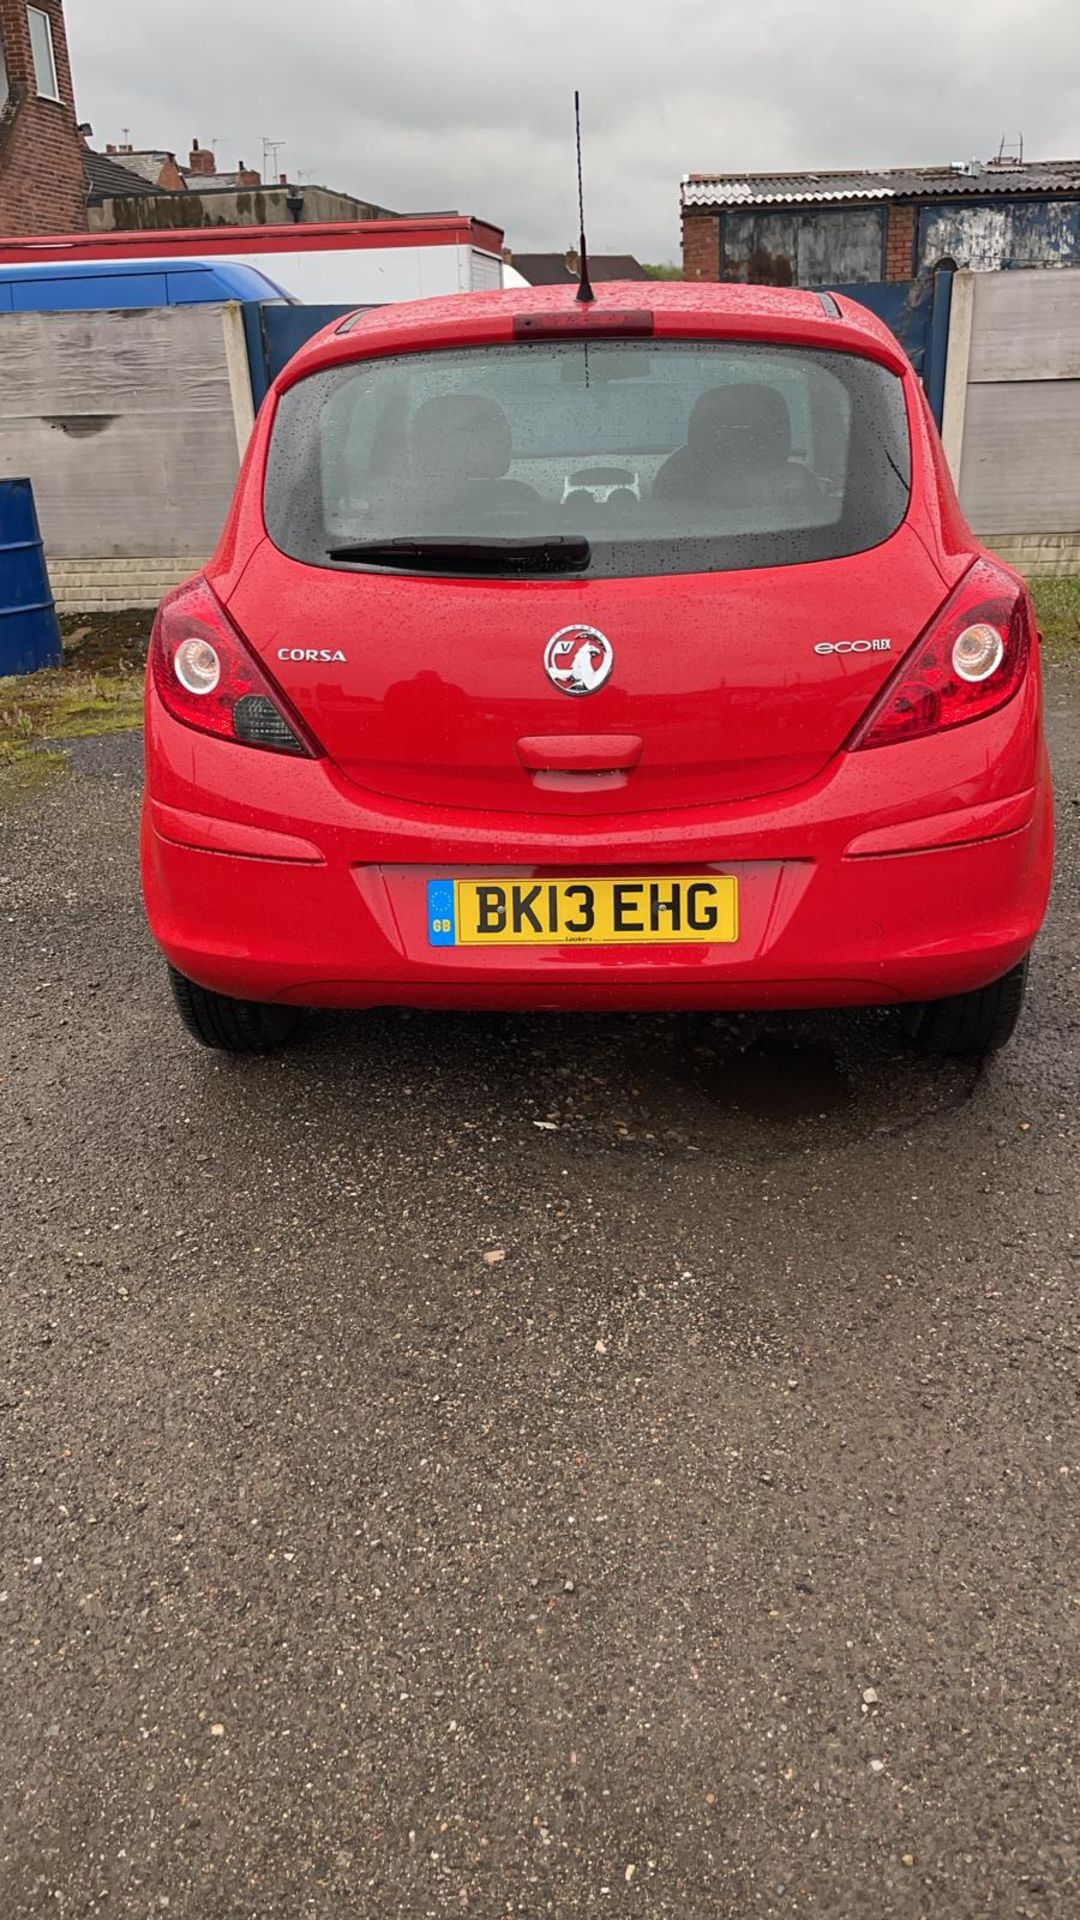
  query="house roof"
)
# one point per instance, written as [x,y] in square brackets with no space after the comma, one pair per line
[104,177]
[559,270]
[968,180]
[218,182]
[147,161]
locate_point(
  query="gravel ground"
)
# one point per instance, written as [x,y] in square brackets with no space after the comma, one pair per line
[527,1466]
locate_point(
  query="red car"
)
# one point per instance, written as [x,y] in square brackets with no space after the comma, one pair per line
[625,655]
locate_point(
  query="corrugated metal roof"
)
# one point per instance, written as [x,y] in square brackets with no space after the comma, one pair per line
[970,180]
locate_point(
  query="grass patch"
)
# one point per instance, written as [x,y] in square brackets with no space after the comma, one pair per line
[65,703]
[1057,609]
[21,779]
[99,689]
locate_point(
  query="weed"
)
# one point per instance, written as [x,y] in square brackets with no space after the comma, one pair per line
[1057,609]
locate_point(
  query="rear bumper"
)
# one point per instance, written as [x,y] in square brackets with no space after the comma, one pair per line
[321,910]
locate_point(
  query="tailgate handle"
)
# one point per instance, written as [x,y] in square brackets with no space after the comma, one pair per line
[579,752]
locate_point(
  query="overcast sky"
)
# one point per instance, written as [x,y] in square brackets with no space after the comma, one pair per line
[428,104]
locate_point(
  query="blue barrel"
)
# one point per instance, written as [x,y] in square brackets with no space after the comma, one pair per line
[29,629]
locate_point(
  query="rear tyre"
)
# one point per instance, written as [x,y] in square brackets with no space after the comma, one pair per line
[971,1024]
[231,1026]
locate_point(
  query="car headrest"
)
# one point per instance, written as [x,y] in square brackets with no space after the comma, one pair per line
[749,423]
[462,434]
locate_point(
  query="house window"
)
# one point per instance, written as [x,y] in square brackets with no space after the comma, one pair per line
[41,46]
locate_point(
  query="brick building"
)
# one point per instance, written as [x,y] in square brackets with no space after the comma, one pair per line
[149,190]
[42,188]
[851,227]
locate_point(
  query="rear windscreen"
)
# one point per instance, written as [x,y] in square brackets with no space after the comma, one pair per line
[669,457]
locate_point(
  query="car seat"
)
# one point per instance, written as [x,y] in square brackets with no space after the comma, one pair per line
[738,455]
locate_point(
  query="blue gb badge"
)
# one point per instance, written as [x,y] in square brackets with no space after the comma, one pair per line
[442,922]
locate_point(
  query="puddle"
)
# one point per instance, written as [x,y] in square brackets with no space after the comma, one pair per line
[747,1089]
[773,1079]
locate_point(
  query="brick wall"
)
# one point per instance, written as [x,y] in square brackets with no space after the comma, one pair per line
[701,246]
[95,586]
[1042,556]
[41,167]
[899,243]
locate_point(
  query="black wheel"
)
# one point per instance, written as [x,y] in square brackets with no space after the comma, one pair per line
[232,1026]
[971,1023]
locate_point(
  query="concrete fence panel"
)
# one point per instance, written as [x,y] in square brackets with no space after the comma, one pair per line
[130,426]
[1012,413]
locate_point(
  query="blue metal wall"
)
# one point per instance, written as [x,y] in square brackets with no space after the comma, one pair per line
[917,311]
[818,246]
[988,235]
[274,334]
[802,246]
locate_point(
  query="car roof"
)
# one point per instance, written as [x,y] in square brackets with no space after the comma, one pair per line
[678,309]
[93,269]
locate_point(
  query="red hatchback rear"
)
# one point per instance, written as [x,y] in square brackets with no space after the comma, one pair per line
[609,656]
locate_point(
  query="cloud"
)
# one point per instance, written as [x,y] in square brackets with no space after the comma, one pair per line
[421,105]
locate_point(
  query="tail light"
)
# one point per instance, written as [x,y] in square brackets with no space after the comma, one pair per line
[206,676]
[972,660]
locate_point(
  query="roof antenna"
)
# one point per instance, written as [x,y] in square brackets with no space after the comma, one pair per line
[584,292]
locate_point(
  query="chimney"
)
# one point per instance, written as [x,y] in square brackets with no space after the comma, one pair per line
[247,176]
[283,179]
[201,159]
[109,147]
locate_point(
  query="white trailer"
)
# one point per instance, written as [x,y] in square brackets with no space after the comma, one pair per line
[346,263]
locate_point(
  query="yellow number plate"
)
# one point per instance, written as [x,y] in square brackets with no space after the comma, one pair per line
[636,910]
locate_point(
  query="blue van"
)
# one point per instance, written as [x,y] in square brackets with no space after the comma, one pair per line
[50,286]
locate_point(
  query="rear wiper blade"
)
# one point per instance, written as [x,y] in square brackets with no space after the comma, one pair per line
[450,553]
